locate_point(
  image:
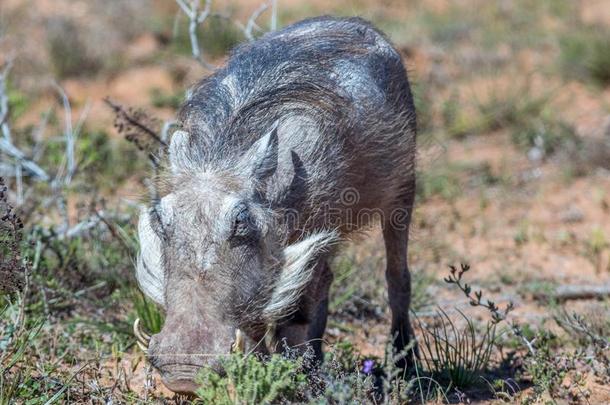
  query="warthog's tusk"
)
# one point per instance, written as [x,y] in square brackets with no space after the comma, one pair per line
[239,345]
[142,347]
[142,338]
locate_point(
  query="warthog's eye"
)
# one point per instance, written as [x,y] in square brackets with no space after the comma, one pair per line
[244,227]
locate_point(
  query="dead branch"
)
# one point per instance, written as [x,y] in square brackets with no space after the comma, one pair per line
[575,292]
[96,219]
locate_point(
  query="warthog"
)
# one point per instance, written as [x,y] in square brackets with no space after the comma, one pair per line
[304,137]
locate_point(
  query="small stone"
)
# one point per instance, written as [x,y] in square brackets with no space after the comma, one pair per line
[535,154]
[571,215]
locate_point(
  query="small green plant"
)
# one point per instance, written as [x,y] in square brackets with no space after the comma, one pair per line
[161,99]
[442,181]
[18,103]
[545,364]
[69,54]
[595,245]
[522,236]
[219,36]
[510,109]
[543,132]
[598,63]
[585,55]
[543,368]
[250,380]
[457,356]
[149,313]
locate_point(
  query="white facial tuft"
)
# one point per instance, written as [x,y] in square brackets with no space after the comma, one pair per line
[149,270]
[300,261]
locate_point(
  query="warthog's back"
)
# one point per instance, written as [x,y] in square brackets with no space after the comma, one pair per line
[347,120]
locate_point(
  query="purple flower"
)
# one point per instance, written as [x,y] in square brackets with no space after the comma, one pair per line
[367,367]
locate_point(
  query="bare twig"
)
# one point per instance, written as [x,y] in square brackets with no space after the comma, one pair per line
[37,136]
[19,181]
[70,135]
[4,111]
[251,25]
[6,144]
[92,222]
[273,15]
[32,167]
[196,17]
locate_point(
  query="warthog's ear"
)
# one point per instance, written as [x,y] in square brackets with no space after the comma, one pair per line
[149,270]
[178,151]
[260,161]
[300,260]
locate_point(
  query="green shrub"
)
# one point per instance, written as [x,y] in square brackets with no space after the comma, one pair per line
[543,367]
[585,55]
[598,62]
[250,380]
[69,55]
[161,99]
[510,109]
[544,133]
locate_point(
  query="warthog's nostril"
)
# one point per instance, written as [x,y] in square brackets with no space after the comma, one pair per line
[142,338]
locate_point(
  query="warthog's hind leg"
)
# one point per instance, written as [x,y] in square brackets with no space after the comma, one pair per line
[396,237]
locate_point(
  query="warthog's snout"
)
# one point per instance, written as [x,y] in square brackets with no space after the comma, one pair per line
[180,378]
[181,350]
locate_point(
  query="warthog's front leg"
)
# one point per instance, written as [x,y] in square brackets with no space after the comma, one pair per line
[306,327]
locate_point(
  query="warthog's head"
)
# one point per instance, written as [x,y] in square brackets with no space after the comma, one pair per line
[211,256]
